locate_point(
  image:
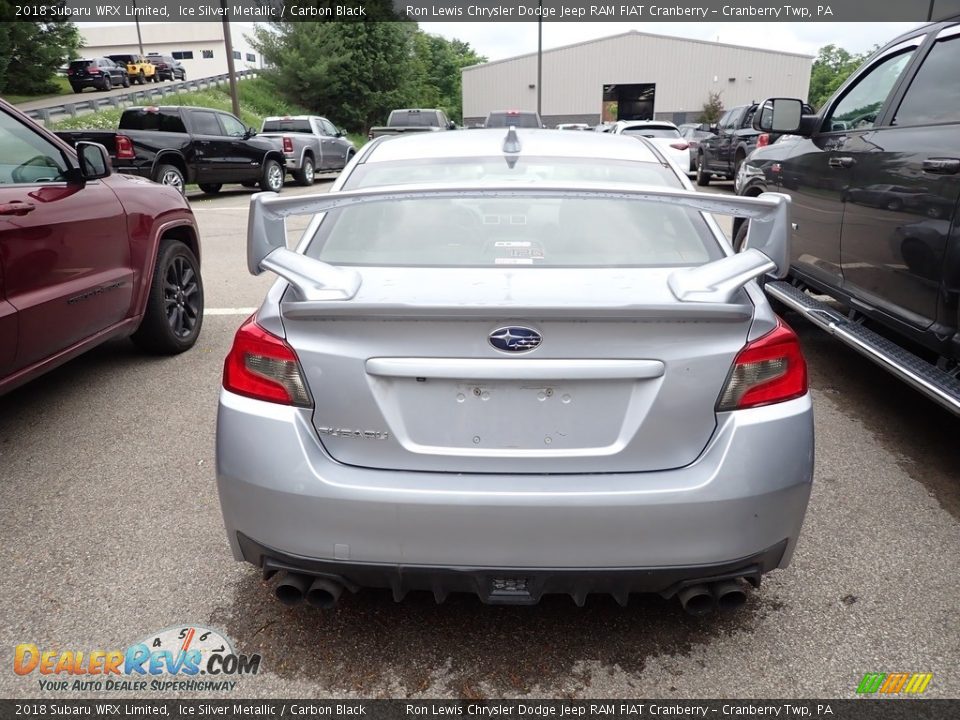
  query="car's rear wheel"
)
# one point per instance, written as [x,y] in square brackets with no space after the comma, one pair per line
[107,83]
[211,188]
[171,175]
[76,88]
[740,238]
[271,178]
[174,313]
[703,177]
[125,80]
[305,175]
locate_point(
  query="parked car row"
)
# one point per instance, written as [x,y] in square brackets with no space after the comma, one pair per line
[105,73]
[177,145]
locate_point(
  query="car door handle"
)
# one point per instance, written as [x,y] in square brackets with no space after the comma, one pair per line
[17,207]
[841,162]
[942,166]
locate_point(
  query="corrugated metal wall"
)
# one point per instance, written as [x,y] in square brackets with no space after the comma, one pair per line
[684,72]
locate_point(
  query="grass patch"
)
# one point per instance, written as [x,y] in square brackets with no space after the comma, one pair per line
[258,100]
[63,88]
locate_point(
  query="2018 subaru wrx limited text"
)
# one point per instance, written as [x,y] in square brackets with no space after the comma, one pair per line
[515,363]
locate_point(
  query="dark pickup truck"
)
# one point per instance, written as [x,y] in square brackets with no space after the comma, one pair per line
[875,183]
[176,145]
[733,138]
[86,255]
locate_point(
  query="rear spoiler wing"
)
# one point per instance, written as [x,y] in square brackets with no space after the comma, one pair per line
[767,245]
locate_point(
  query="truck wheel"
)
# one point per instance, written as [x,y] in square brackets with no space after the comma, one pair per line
[304,176]
[737,163]
[271,178]
[174,313]
[703,177]
[171,175]
[211,188]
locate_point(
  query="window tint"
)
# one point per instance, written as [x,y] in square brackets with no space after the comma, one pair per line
[862,104]
[232,126]
[292,126]
[516,119]
[327,126]
[731,118]
[652,132]
[27,157]
[411,118]
[162,119]
[205,123]
[725,119]
[934,94]
[491,232]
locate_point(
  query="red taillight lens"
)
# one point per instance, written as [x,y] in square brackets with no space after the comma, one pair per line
[262,366]
[769,370]
[763,139]
[680,146]
[124,147]
[70,72]
[93,70]
[287,145]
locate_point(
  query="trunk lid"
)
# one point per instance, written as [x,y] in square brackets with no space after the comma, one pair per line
[416,372]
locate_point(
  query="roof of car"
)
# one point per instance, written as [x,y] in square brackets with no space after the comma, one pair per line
[489,142]
[291,117]
[646,123]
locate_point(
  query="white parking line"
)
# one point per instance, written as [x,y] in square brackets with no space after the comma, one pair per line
[230,311]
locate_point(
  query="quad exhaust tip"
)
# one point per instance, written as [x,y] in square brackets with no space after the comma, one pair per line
[702,599]
[319,592]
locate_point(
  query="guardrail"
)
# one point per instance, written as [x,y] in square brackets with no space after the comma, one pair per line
[134,97]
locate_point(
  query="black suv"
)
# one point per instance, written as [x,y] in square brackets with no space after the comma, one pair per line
[168,67]
[875,181]
[101,73]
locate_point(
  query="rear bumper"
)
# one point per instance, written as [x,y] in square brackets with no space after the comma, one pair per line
[745,494]
[513,585]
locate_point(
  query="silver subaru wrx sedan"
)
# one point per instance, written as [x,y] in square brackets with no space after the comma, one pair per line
[510,363]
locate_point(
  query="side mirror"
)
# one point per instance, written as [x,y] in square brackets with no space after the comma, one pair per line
[713,128]
[779,115]
[250,132]
[452,125]
[94,160]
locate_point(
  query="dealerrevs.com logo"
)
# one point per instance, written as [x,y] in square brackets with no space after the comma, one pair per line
[177,659]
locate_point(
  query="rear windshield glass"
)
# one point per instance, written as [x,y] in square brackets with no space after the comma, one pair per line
[163,120]
[538,232]
[522,120]
[413,119]
[291,126]
[80,64]
[122,59]
[652,132]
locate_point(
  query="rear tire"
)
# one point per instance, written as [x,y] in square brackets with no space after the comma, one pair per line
[125,81]
[107,84]
[174,313]
[741,237]
[172,176]
[703,177]
[76,88]
[271,177]
[305,175]
[211,188]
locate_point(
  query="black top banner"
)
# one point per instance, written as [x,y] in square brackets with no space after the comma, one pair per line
[889,709]
[101,11]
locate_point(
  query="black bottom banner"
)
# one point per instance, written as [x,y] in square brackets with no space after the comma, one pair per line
[909,709]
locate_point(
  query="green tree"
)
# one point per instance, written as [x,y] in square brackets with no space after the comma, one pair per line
[831,68]
[712,109]
[352,72]
[438,64]
[36,50]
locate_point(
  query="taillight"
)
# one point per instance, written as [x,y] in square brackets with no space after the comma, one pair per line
[769,370]
[124,146]
[763,139]
[70,71]
[93,70]
[679,146]
[262,366]
[287,145]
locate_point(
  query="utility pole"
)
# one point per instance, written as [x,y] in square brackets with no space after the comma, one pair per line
[231,69]
[540,60]
[136,19]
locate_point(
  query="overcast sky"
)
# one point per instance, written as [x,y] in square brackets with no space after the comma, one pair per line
[499,40]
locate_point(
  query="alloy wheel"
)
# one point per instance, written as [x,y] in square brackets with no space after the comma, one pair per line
[181,297]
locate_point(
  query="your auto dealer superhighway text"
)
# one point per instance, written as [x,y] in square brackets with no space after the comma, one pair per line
[561,11]
[495,710]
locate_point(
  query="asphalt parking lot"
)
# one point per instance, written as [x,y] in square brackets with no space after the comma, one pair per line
[112,528]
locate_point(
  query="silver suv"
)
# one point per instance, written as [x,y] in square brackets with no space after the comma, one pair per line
[514,363]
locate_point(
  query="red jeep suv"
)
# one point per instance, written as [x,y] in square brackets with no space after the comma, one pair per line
[86,255]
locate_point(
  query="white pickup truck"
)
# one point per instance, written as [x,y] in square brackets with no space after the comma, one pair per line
[310,145]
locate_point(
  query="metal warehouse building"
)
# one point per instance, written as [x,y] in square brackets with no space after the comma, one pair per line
[633,76]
